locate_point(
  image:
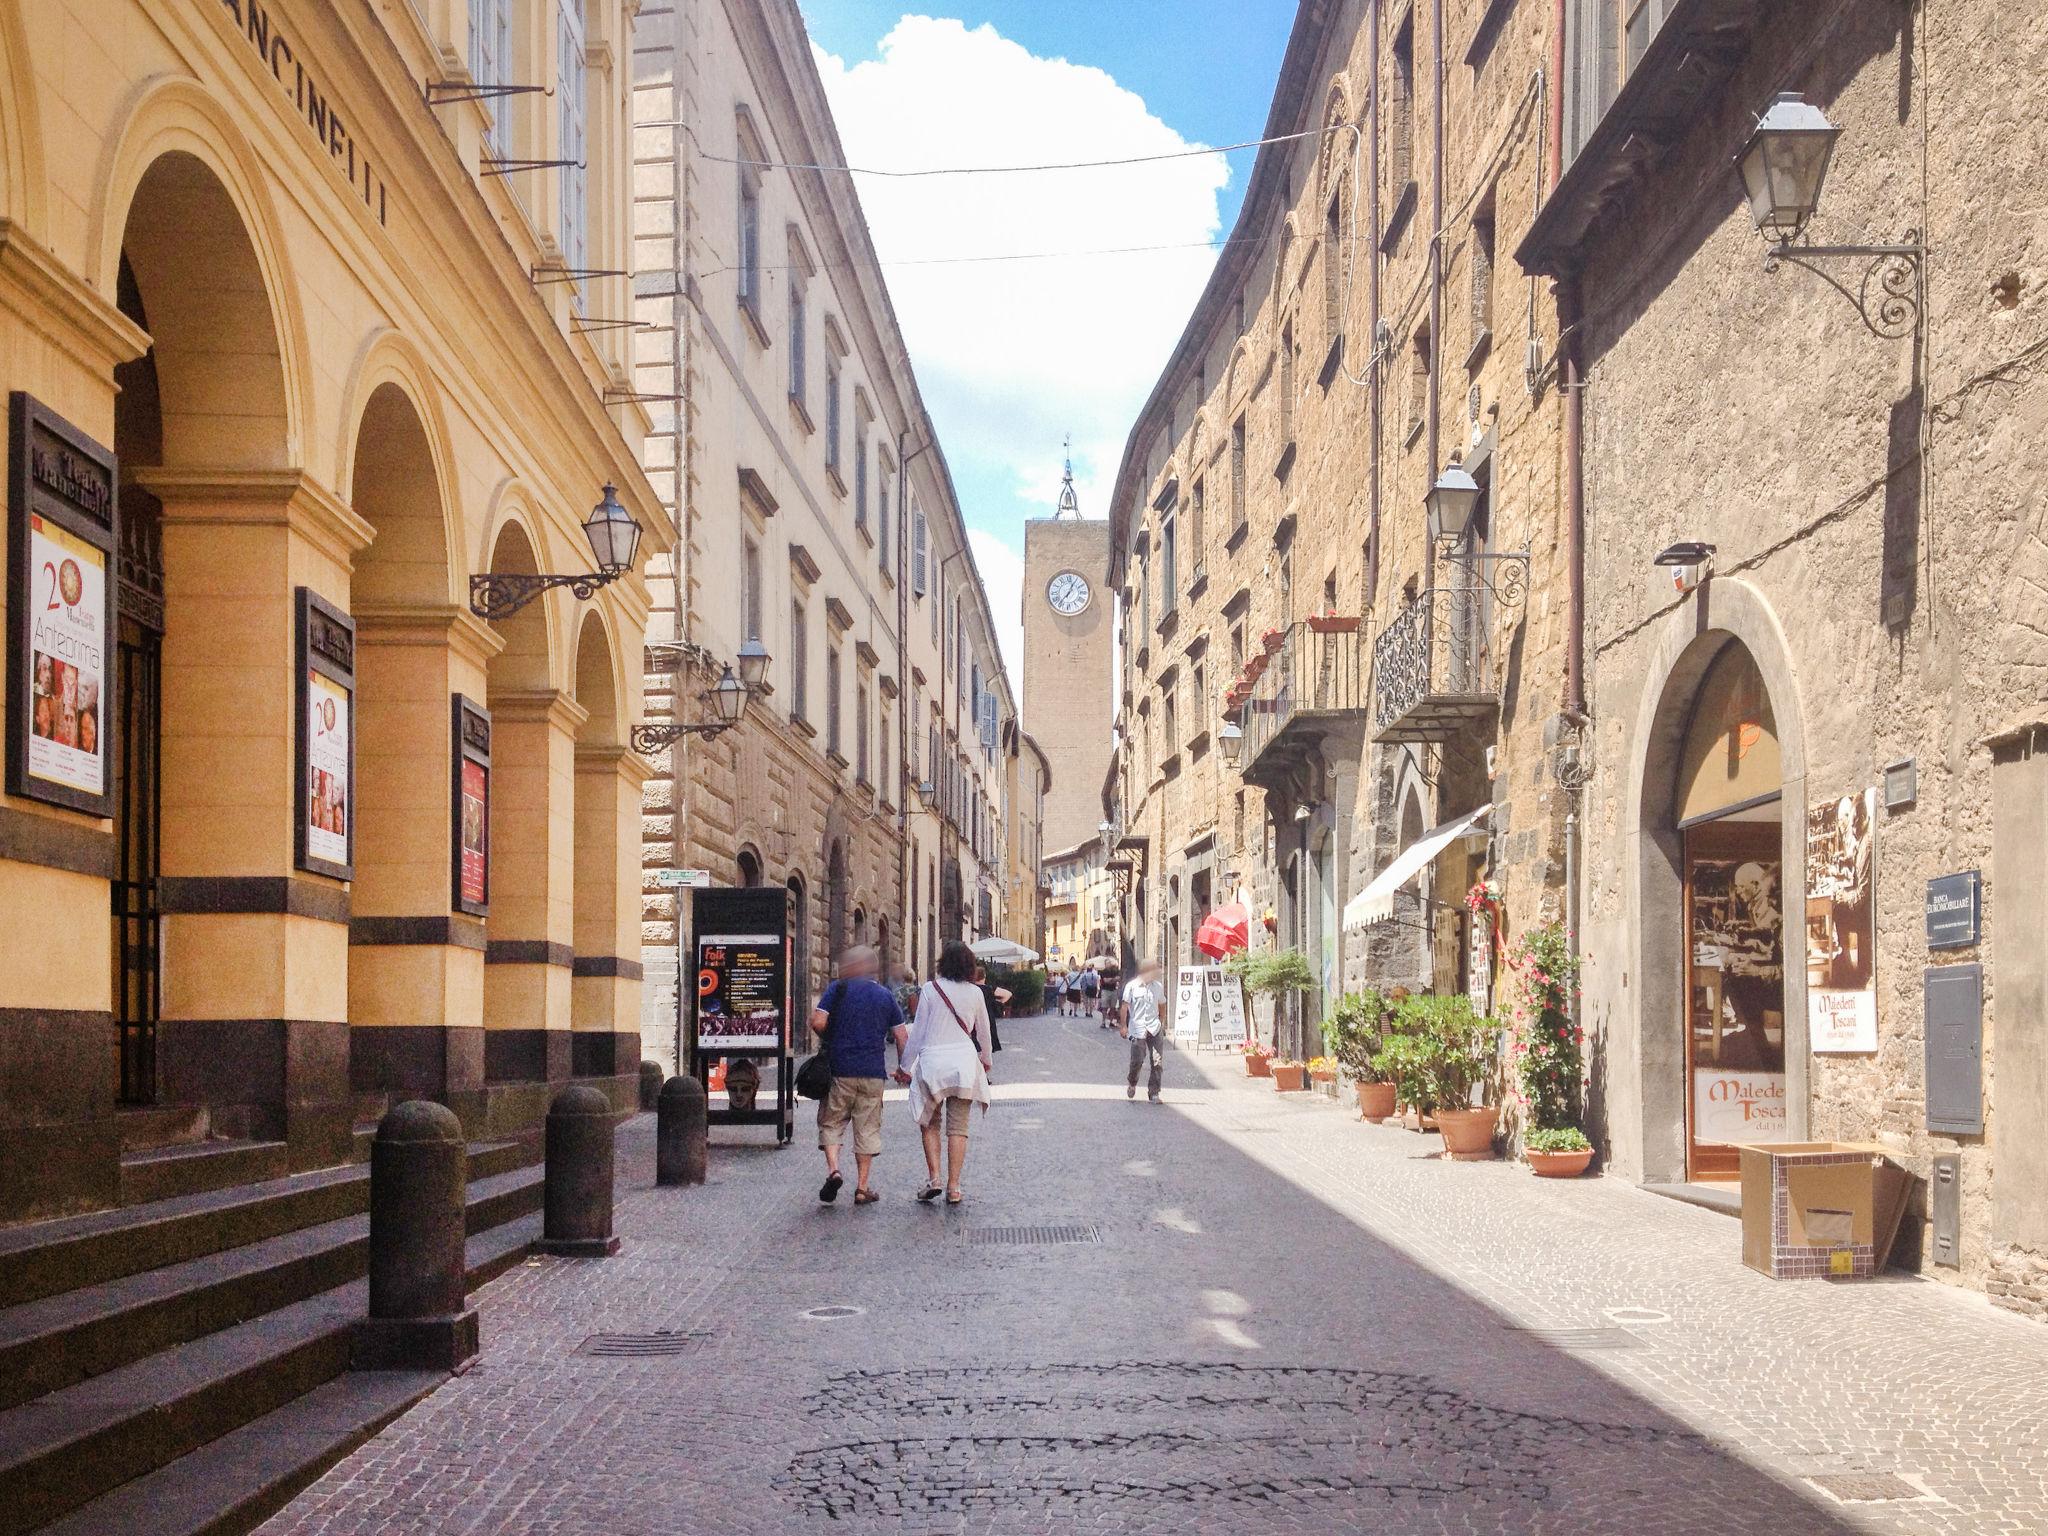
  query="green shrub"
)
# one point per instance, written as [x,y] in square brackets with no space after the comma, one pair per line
[1461,1048]
[1026,984]
[1408,1062]
[1567,1138]
[1272,972]
[1355,1031]
[1547,1048]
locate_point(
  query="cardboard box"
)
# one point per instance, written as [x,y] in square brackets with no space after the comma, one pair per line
[1826,1208]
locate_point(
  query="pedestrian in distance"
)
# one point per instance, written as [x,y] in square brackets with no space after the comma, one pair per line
[903,987]
[1091,995]
[1059,993]
[857,1019]
[994,999]
[1140,1025]
[948,1066]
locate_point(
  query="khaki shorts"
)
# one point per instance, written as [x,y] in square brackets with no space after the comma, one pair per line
[858,1099]
[957,1111]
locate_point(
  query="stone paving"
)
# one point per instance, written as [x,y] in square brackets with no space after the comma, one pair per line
[1236,1312]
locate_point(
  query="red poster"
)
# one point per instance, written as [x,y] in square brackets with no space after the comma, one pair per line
[476,780]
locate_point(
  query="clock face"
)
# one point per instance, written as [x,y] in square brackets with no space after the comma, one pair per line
[1067,592]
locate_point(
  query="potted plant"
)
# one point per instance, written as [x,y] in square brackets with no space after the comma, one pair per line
[1405,1060]
[1562,1153]
[1273,639]
[1333,624]
[1258,1059]
[1459,1048]
[1322,1071]
[1289,1075]
[1354,1033]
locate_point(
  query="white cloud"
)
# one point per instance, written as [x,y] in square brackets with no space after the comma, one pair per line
[1002,576]
[1013,355]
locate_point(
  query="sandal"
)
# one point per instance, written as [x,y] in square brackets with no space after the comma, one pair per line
[954,1197]
[865,1197]
[829,1190]
[929,1193]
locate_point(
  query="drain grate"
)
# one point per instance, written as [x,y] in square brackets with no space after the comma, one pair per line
[1581,1338]
[1866,1487]
[832,1313]
[641,1346]
[1035,1237]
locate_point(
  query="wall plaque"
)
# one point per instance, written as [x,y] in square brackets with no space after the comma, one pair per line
[1955,905]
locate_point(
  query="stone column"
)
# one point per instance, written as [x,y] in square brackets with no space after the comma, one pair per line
[255,989]
[605,990]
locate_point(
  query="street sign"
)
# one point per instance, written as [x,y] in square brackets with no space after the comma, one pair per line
[682,879]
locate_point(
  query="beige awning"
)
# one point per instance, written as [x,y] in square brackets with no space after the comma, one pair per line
[1375,904]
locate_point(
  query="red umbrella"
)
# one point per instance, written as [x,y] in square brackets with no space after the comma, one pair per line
[1224,931]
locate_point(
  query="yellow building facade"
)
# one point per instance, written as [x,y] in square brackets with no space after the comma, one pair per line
[300,309]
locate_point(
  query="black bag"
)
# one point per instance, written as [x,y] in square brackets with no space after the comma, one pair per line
[814,1077]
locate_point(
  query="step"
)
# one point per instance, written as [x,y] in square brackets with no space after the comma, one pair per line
[69,1447]
[142,1126]
[249,1474]
[56,1341]
[48,1257]
[160,1173]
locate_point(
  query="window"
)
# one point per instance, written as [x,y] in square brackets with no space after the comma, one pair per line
[1240,311]
[938,608]
[1237,452]
[1286,588]
[887,785]
[860,733]
[931,768]
[1236,649]
[833,738]
[1169,698]
[1401,113]
[1144,598]
[1198,525]
[1198,701]
[1418,379]
[799,663]
[918,553]
[832,415]
[572,144]
[1167,555]
[797,360]
[882,514]
[1333,270]
[1482,273]
[1287,385]
[860,472]
[750,592]
[490,48]
[750,236]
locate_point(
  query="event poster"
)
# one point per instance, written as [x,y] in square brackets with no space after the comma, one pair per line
[1738,1106]
[1841,984]
[327,765]
[1187,1003]
[67,623]
[739,992]
[1226,1007]
[476,802]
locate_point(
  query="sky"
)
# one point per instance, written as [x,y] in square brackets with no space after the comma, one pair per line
[1013,356]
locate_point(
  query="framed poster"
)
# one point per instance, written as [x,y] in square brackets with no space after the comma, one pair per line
[326,672]
[1187,1004]
[469,854]
[741,984]
[1225,999]
[1841,982]
[62,521]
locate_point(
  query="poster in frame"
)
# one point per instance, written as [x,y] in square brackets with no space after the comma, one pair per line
[1841,949]
[63,526]
[470,807]
[324,803]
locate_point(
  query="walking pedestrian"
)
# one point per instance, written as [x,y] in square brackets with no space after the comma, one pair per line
[903,987]
[1091,994]
[993,1001]
[1059,992]
[948,1066]
[1141,1026]
[857,1018]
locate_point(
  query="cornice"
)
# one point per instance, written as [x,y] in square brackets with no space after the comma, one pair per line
[429,625]
[252,498]
[44,293]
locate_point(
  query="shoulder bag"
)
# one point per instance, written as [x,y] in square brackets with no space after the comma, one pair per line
[814,1077]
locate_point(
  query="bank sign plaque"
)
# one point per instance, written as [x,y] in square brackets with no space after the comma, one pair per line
[1955,905]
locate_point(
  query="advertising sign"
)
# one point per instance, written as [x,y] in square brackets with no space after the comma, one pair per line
[1187,1003]
[1738,1106]
[1841,985]
[62,513]
[470,856]
[326,737]
[740,989]
[1225,1000]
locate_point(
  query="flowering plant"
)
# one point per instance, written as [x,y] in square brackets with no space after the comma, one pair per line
[1483,897]
[1545,1047]
[1257,1050]
[1320,1064]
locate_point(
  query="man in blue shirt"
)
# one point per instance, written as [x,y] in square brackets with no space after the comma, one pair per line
[857,1018]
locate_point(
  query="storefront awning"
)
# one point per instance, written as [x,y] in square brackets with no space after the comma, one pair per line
[1375,904]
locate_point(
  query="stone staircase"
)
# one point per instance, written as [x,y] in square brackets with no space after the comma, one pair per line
[180,1365]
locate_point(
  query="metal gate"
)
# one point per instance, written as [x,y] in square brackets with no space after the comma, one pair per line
[138,802]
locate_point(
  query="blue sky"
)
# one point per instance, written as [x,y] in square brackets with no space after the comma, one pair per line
[1012,355]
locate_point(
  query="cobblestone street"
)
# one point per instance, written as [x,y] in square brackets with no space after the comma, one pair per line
[1235,1312]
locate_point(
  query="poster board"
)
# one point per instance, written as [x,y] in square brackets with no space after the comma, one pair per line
[325,668]
[469,853]
[740,1003]
[1223,996]
[63,516]
[1187,1004]
[1841,953]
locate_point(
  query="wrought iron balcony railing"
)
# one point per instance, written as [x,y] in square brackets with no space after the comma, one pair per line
[1433,667]
[1316,677]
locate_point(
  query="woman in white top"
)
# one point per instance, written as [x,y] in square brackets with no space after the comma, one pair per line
[948,1064]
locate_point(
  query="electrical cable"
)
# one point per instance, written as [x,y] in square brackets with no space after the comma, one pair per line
[994,170]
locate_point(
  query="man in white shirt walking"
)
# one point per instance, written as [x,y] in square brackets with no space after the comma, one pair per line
[1143,997]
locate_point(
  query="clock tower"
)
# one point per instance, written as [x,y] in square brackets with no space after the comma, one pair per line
[1068,672]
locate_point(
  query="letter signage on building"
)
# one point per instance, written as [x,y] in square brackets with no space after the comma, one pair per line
[326,672]
[1738,1106]
[62,521]
[1954,903]
[470,857]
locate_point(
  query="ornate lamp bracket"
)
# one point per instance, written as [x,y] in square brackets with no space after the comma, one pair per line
[495,595]
[1887,295]
[1509,581]
[652,738]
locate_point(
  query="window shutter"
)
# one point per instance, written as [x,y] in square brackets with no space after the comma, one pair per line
[917,554]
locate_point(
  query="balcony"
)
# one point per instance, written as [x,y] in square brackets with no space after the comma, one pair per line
[1433,672]
[1313,686]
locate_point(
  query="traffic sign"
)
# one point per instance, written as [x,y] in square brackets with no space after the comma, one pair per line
[686,879]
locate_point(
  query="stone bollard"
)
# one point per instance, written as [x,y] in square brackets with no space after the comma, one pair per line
[419,1179]
[650,1084]
[681,1134]
[577,1200]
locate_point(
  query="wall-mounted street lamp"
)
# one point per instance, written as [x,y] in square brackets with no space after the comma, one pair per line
[1231,739]
[614,539]
[728,699]
[1450,504]
[1784,167]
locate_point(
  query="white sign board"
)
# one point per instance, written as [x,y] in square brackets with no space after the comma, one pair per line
[1187,1004]
[1224,998]
[1738,1106]
[682,879]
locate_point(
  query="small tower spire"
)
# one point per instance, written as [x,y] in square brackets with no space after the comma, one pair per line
[1070,504]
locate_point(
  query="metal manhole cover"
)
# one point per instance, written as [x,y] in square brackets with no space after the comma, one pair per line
[1866,1487]
[1582,1338]
[1036,1236]
[827,1314]
[1637,1315]
[640,1346]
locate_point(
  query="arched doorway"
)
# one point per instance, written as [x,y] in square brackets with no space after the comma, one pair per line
[604,1004]
[882,948]
[801,990]
[835,901]
[748,869]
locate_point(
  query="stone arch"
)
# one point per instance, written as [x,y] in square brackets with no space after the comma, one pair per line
[181,195]
[393,398]
[598,686]
[1234,375]
[528,657]
[21,139]
[747,867]
[1283,251]
[1645,1092]
[1336,147]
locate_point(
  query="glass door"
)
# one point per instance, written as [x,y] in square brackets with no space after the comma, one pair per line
[1735,990]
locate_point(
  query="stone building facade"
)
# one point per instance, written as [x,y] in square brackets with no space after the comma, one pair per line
[1850,703]
[292,320]
[1027,781]
[816,518]
[1310,684]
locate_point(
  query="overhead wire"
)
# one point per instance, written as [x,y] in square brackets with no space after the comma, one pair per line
[991,170]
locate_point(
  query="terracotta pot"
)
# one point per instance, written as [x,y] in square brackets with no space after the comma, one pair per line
[1290,1079]
[1332,624]
[1323,1079]
[1375,1100]
[1467,1133]
[1272,640]
[1258,1066]
[1558,1165]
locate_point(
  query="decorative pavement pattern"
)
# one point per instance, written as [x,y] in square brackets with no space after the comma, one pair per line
[1235,1313]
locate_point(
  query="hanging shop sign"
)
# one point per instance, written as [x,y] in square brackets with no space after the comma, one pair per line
[1954,910]
[263,30]
[1841,958]
[470,789]
[326,671]
[62,522]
